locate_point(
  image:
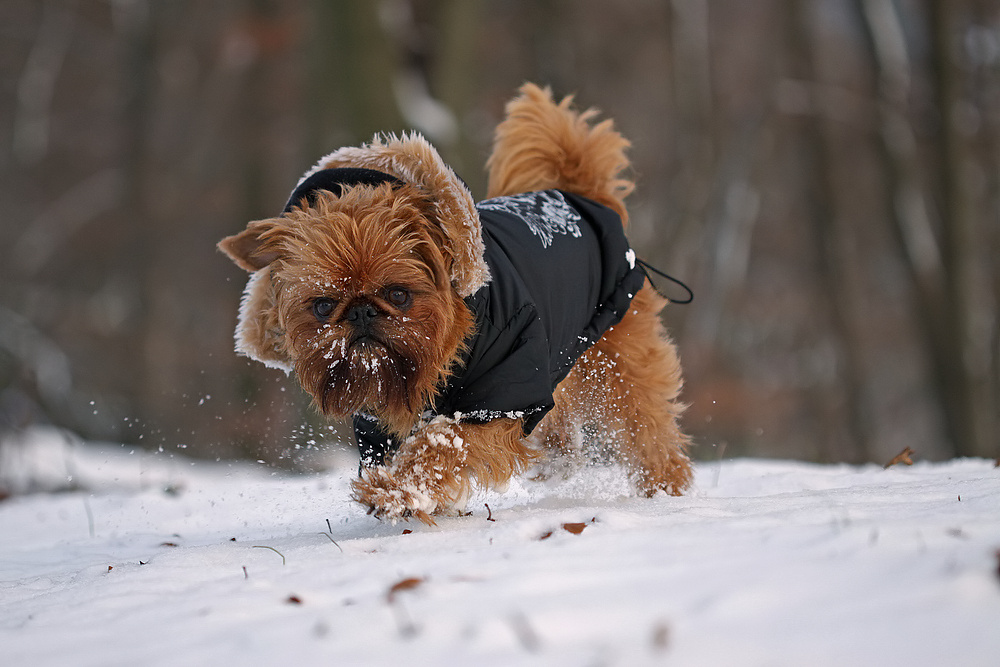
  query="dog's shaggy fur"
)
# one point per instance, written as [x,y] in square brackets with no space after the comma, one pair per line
[405,257]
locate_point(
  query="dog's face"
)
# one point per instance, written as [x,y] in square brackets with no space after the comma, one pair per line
[357,299]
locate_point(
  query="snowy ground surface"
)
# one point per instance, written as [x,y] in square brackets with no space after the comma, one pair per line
[161,561]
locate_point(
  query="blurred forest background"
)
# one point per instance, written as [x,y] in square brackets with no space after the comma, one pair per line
[823,174]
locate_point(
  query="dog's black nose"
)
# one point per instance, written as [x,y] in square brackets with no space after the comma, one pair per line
[361,315]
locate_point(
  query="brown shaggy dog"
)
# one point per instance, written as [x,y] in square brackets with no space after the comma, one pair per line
[390,294]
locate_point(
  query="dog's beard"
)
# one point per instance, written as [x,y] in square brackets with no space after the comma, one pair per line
[374,374]
[367,376]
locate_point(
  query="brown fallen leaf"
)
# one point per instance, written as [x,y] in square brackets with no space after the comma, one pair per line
[407,584]
[661,636]
[544,536]
[903,457]
[575,528]
[293,599]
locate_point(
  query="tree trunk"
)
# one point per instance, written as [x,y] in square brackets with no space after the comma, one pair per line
[833,266]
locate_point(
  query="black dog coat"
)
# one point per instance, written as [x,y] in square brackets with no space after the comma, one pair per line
[562,273]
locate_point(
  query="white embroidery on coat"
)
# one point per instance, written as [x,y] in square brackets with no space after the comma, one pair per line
[545,213]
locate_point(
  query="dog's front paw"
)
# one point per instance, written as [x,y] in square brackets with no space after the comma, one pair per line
[391,499]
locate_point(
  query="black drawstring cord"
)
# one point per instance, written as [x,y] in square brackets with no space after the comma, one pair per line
[646,268]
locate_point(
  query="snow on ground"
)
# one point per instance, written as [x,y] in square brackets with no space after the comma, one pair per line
[163,561]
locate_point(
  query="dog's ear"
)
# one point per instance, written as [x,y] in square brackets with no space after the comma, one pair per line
[248,249]
[258,331]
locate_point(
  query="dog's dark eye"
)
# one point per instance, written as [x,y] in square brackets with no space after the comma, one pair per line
[398,297]
[323,307]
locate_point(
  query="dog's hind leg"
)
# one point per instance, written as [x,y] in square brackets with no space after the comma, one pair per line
[631,378]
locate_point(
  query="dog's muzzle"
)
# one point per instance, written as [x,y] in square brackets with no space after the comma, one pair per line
[361,316]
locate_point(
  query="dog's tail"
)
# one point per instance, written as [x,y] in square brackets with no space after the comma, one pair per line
[543,145]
